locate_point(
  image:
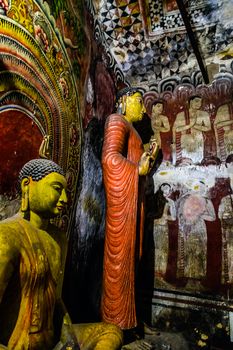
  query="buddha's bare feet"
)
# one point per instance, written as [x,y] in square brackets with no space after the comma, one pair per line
[138,345]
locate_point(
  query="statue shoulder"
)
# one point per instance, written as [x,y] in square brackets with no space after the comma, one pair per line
[114,119]
[9,234]
[10,224]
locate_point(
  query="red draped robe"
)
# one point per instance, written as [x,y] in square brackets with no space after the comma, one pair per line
[122,150]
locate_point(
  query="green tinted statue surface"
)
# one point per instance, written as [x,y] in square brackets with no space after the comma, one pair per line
[32,254]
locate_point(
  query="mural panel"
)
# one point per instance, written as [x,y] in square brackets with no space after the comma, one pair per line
[192,201]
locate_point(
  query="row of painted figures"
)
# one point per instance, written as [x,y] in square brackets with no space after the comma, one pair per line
[192,210]
[189,130]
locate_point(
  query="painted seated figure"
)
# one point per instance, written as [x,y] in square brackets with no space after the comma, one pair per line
[32,254]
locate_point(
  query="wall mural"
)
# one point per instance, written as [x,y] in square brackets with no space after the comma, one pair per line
[192,226]
[39,106]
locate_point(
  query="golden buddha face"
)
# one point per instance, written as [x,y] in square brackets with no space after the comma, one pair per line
[134,108]
[47,197]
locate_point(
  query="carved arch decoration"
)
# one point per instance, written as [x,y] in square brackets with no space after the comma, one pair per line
[38,87]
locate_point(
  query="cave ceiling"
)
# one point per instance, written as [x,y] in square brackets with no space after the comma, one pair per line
[148,42]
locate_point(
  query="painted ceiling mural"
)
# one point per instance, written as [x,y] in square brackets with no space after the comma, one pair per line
[148,42]
[39,91]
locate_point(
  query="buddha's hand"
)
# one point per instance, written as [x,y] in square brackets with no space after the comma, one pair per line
[70,345]
[147,160]
[145,163]
[68,337]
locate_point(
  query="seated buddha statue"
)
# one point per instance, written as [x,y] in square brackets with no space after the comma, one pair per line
[32,255]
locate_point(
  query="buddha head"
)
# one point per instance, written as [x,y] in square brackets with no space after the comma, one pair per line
[43,188]
[130,104]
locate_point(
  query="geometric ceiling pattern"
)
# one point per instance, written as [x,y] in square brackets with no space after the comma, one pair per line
[150,48]
[165,16]
[121,18]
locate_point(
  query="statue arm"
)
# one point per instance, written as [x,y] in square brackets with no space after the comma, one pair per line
[62,323]
[114,159]
[7,253]
[115,144]
[148,159]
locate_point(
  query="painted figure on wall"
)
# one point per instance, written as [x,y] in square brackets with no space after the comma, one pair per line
[32,254]
[188,133]
[225,214]
[124,165]
[223,127]
[159,121]
[161,230]
[194,208]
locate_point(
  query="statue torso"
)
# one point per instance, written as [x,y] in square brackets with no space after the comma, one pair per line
[28,301]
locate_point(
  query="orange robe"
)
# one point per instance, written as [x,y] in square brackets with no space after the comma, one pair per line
[122,150]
